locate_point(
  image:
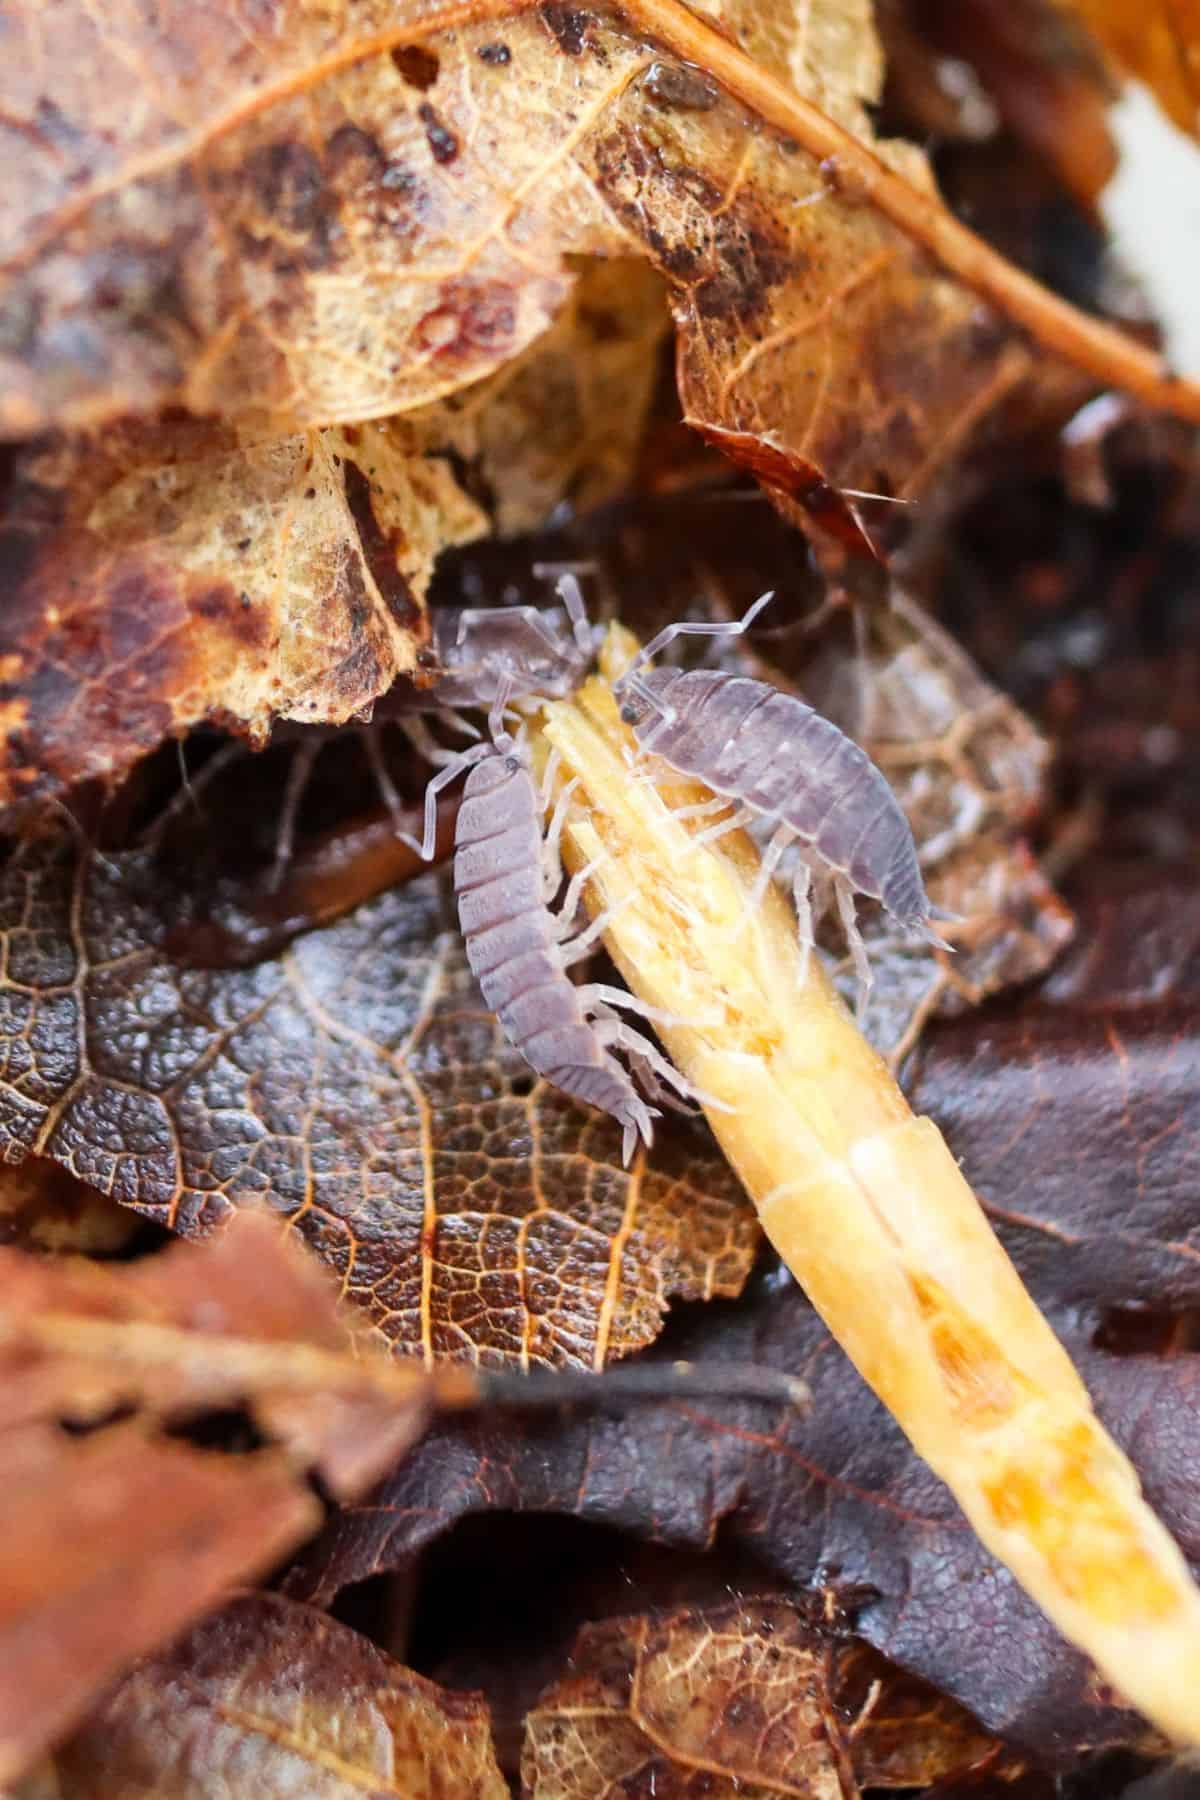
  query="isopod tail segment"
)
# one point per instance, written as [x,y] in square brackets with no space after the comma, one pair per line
[779,762]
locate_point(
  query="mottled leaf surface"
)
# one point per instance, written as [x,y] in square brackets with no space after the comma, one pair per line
[159,577]
[354,1084]
[319,229]
[271,1698]
[750,1699]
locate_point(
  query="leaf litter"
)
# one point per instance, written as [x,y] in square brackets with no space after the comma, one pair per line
[1049,1703]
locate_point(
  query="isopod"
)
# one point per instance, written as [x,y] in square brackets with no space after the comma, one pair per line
[779,761]
[505,875]
[531,649]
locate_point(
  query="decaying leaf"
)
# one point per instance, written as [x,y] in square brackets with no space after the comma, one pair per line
[116,1538]
[271,1698]
[42,1207]
[353,214]
[112,1543]
[1157,44]
[356,1084]
[746,1700]
[161,576]
[837,1501]
[971,773]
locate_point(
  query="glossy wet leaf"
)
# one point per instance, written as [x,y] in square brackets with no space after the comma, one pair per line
[354,1083]
[271,1698]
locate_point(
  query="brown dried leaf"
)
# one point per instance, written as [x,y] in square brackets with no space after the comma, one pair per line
[279,1700]
[118,1538]
[44,1208]
[318,230]
[357,1084]
[111,1543]
[750,1700]
[158,577]
[1082,1135]
[1157,44]
[970,771]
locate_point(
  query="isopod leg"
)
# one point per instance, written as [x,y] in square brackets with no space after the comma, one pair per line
[553,872]
[383,781]
[602,993]
[702,809]
[457,766]
[574,894]
[802,895]
[858,950]
[686,628]
[619,1036]
[298,777]
[734,822]
[574,949]
[780,839]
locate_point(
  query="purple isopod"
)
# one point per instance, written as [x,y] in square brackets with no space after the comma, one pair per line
[531,649]
[781,762]
[504,875]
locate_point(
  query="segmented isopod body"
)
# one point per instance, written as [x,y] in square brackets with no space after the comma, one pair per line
[513,944]
[784,762]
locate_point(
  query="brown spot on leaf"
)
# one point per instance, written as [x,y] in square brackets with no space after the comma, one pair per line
[568,26]
[496,56]
[417,65]
[441,140]
[381,551]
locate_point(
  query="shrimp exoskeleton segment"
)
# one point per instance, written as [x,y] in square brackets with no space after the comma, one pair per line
[779,761]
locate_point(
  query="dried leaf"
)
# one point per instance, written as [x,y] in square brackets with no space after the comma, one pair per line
[279,1700]
[838,1503]
[112,1543]
[159,577]
[242,1323]
[317,229]
[356,1083]
[1156,44]
[44,1208]
[743,1700]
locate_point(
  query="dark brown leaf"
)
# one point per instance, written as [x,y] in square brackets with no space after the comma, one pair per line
[356,1085]
[272,1699]
[836,1503]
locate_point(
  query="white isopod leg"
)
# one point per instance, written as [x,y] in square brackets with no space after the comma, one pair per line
[550,844]
[565,917]
[600,993]
[457,766]
[573,950]
[802,895]
[702,809]
[854,938]
[780,839]
[686,628]
[424,743]
[735,822]
[383,781]
[620,1036]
